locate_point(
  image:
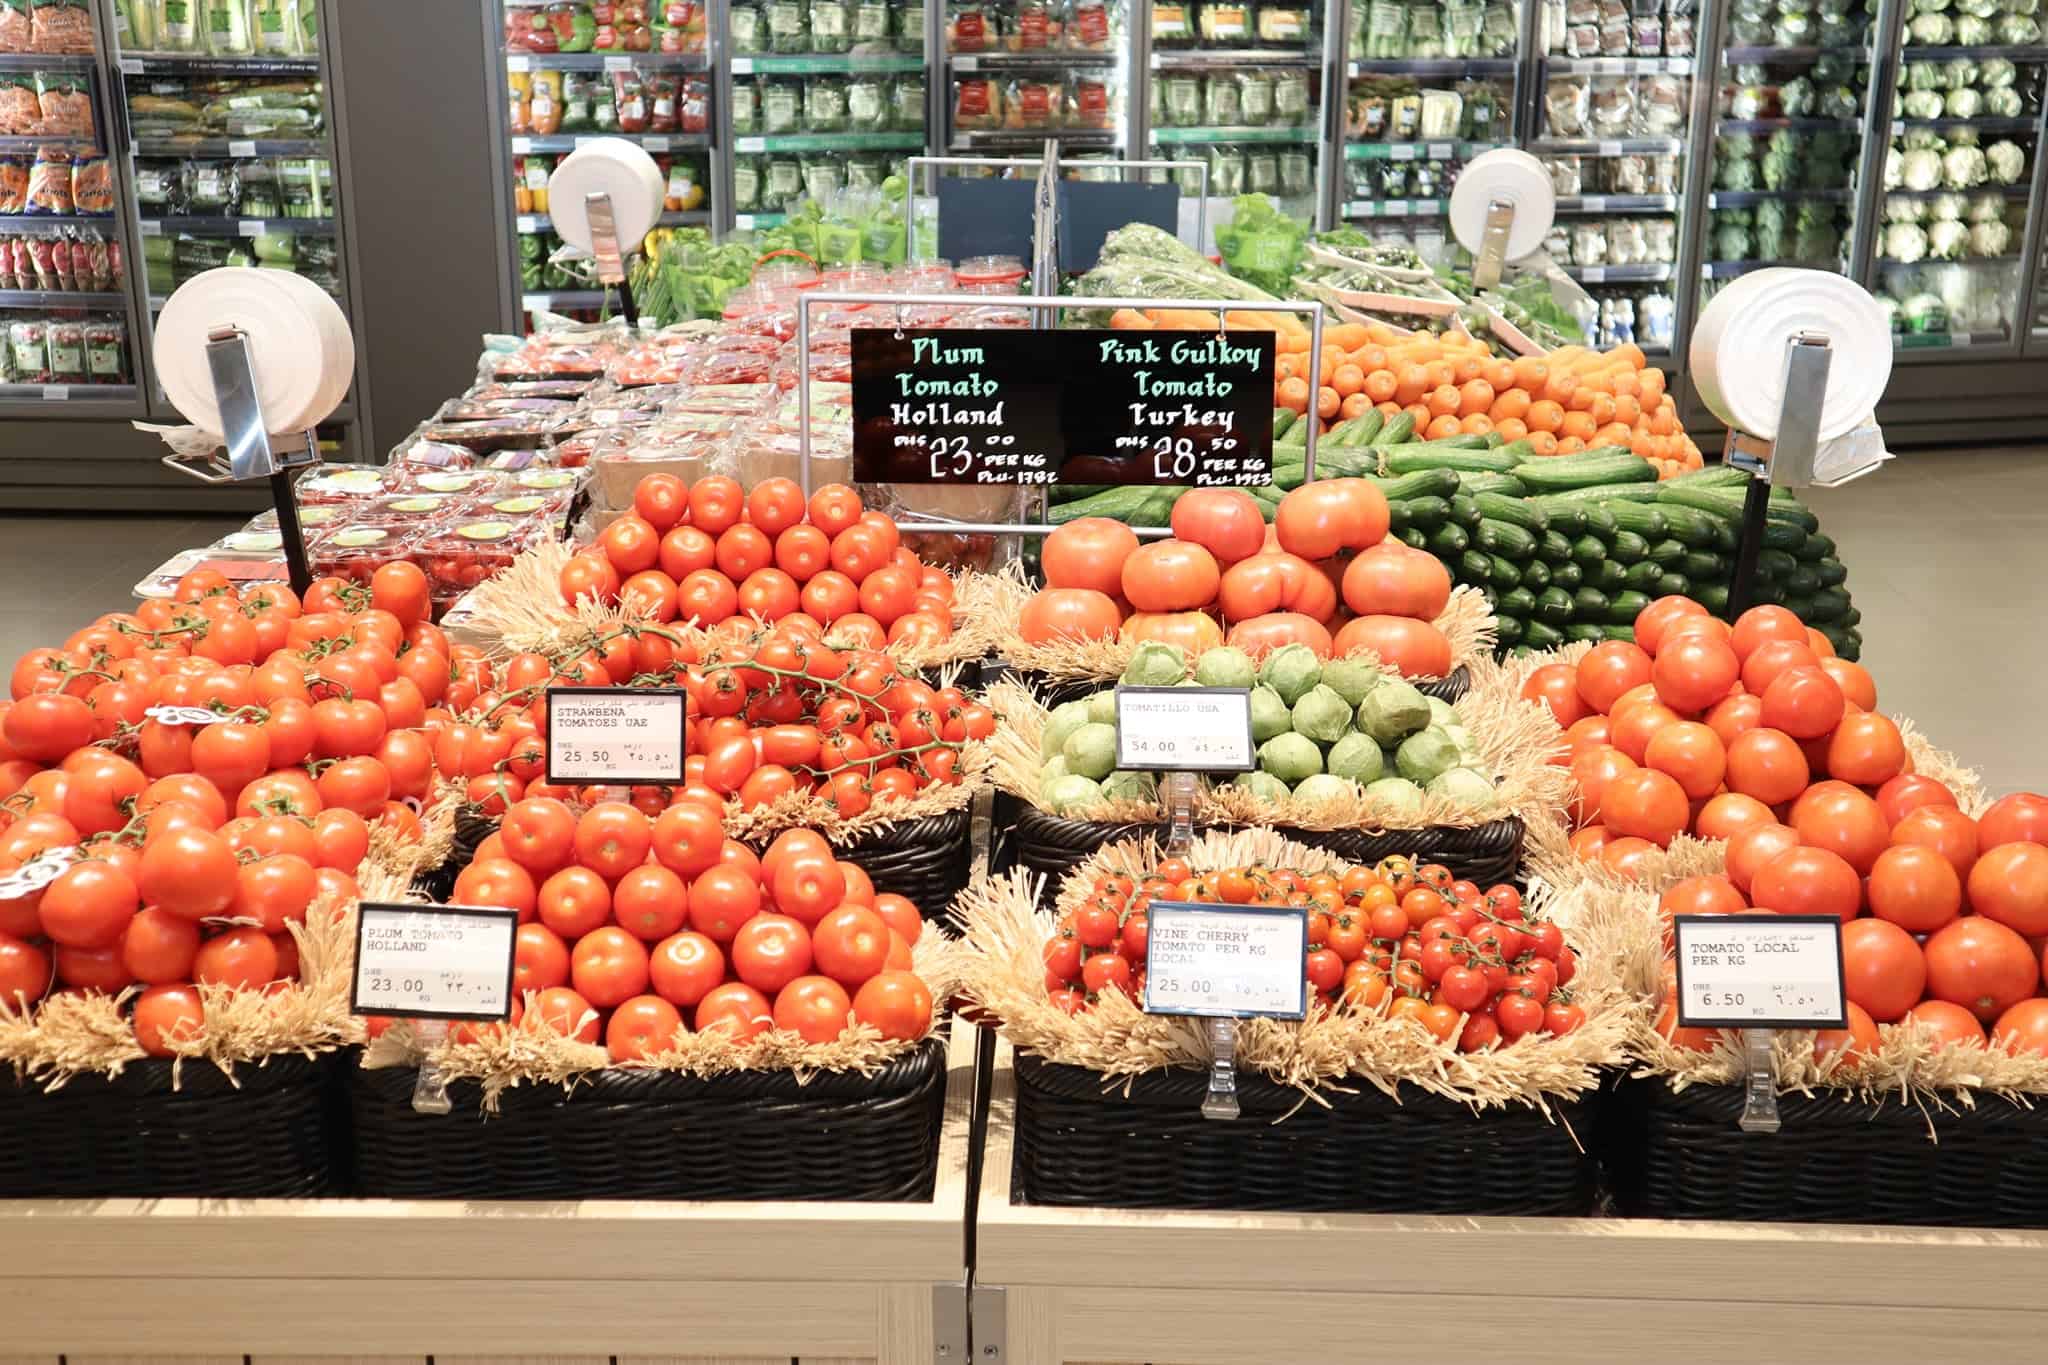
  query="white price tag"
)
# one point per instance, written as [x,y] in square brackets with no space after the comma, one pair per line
[1184,729]
[743,66]
[580,143]
[250,227]
[1401,151]
[1593,203]
[131,66]
[1593,274]
[750,144]
[967,63]
[434,961]
[521,146]
[1395,208]
[1760,971]
[1440,151]
[657,143]
[519,63]
[182,715]
[528,222]
[152,228]
[241,149]
[37,873]
[1958,338]
[56,393]
[1226,961]
[1610,149]
[615,736]
[614,65]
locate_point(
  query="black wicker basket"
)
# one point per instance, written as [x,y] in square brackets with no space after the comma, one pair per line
[272,1132]
[927,860]
[471,829]
[1485,854]
[1082,1139]
[1051,694]
[1837,1159]
[628,1134]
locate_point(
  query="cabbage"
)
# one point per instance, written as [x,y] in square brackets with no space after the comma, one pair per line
[2003,101]
[1920,139]
[1894,168]
[1962,104]
[2018,30]
[1963,167]
[1931,30]
[1928,6]
[1904,208]
[1925,312]
[1922,169]
[1839,101]
[2022,6]
[1792,30]
[1960,73]
[1891,311]
[1987,208]
[1923,76]
[1946,208]
[1904,242]
[1735,175]
[1996,73]
[1990,239]
[1796,97]
[2007,163]
[1732,243]
[1972,31]
[1982,9]
[1945,241]
[1923,104]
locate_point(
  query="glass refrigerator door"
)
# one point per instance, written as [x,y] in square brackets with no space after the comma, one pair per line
[1020,71]
[582,69]
[68,334]
[1613,103]
[1959,173]
[1427,88]
[1238,89]
[827,97]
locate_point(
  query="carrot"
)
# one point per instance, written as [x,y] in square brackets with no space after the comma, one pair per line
[1565,358]
[1294,394]
[1570,445]
[1530,374]
[1542,442]
[1560,387]
[1380,385]
[1650,384]
[1582,397]
[1131,320]
[1511,428]
[1629,353]
[1443,400]
[1381,334]
[1355,405]
[1475,395]
[1442,372]
[1441,426]
[1347,379]
[1578,426]
[1613,434]
[1475,424]
[1370,358]
[1509,403]
[1545,415]
[1327,402]
[1413,383]
[1420,413]
[1346,336]
[1500,374]
[1387,407]
[1467,368]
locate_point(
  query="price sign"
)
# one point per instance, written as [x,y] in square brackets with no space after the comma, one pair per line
[56,393]
[750,144]
[1593,274]
[1610,149]
[656,143]
[615,65]
[1226,961]
[519,63]
[1014,406]
[240,149]
[250,227]
[1401,151]
[1760,971]
[616,736]
[1185,729]
[434,961]
[1593,203]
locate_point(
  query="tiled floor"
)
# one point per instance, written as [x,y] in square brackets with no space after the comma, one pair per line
[1946,552]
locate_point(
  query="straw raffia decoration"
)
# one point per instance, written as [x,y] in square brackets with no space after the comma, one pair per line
[1512,740]
[1332,1049]
[1466,621]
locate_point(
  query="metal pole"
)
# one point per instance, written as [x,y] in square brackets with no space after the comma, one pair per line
[289,530]
[1756,505]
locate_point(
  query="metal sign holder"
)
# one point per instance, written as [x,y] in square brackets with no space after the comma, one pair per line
[1058,163]
[1039,304]
[604,246]
[1787,459]
[249,450]
[1493,244]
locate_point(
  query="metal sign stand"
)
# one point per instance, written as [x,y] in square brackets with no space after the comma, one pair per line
[916,163]
[604,244]
[1788,459]
[1493,244]
[249,452]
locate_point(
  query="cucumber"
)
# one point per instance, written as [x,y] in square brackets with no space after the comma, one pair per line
[1831,573]
[1566,576]
[1725,539]
[1475,483]
[1702,567]
[1473,567]
[1608,576]
[1710,476]
[1361,429]
[1516,511]
[1589,550]
[1414,539]
[1829,604]
[1688,524]
[1774,566]
[1848,644]
[1554,548]
[1399,428]
[1802,581]
[1507,627]
[1518,602]
[1667,552]
[1566,518]
[1449,540]
[1538,635]
[1623,608]
[1505,539]
[1119,504]
[1507,574]
[1641,518]
[1397,517]
[1644,575]
[1589,604]
[1852,617]
[1465,511]
[1599,521]
[1609,493]
[1627,547]
[1553,607]
[1489,595]
[1712,596]
[1786,504]
[1536,575]
[1816,540]
[1674,585]
[1782,531]
[1283,418]
[1607,464]
[1426,513]
[1423,483]
[1584,630]
[1441,455]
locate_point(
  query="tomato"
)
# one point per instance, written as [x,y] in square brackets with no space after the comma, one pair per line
[721,900]
[1726,815]
[1703,895]
[1610,669]
[2020,817]
[1224,521]
[1627,856]
[808,887]
[100,796]
[771,951]
[1069,613]
[642,1027]
[1945,1024]
[361,785]
[1944,829]
[859,550]
[1593,771]
[190,873]
[540,960]
[1321,518]
[612,839]
[1555,685]
[687,838]
[814,1007]
[25,971]
[1915,887]
[400,588]
[1633,724]
[608,966]
[2023,1028]
[850,944]
[1652,621]
[737,1009]
[1106,972]
[1519,1015]
[1194,632]
[1415,649]
[897,1003]
[1804,702]
[242,959]
[275,891]
[1908,792]
[650,902]
[573,902]
[47,726]
[1768,765]
[661,500]
[1643,803]
[1170,575]
[89,905]
[1390,579]
[1759,625]
[1275,582]
[1981,965]
[717,503]
[1807,881]
[684,551]
[589,574]
[168,1015]
[2008,883]
[1867,749]
[539,834]
[567,1013]
[1694,672]
[1837,817]
[1883,968]
[1859,1039]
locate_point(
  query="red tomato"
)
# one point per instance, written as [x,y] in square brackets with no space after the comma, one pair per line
[1273,581]
[1804,702]
[567,1013]
[573,902]
[2020,817]
[1914,887]
[2023,1028]
[771,951]
[1808,881]
[897,1003]
[1556,686]
[188,873]
[1841,819]
[1858,1040]
[1390,579]
[642,1027]
[1761,624]
[1610,669]
[1772,658]
[814,1007]
[1169,575]
[241,958]
[1652,621]
[1981,965]
[1694,672]
[1754,847]
[1883,968]
[650,902]
[608,966]
[540,960]
[1416,649]
[1768,765]
[851,944]
[1089,553]
[1726,815]
[685,967]
[1866,749]
[1261,635]
[1319,519]
[1645,804]
[1224,521]
[1945,1024]
[612,838]
[1070,613]
[2008,883]
[1908,792]
[168,1015]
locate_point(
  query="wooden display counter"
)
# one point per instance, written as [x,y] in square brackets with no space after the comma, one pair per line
[1107,1286]
[371,1282]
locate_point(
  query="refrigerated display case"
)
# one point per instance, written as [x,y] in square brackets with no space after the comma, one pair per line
[573,70]
[1426,89]
[1017,72]
[68,329]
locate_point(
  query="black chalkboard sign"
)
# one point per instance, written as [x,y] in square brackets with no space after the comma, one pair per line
[1002,405]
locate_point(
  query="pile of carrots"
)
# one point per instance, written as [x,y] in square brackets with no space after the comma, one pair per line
[1568,400]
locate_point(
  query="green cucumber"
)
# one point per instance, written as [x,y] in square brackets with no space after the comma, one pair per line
[1848,644]
[1589,549]
[1644,575]
[1712,596]
[1702,567]
[1427,513]
[1584,630]
[1566,576]
[1710,476]
[1477,482]
[1774,566]
[1414,539]
[1627,547]
[1397,517]
[1441,455]
[1507,627]
[1118,504]
[1688,524]
[1536,575]
[1538,635]
[1782,531]
[1825,544]
[1623,608]
[1423,483]
[1607,464]
[1398,429]
[1553,547]
[1518,602]
[1283,418]
[1472,567]
[1608,576]
[1829,604]
[1465,511]
[1667,552]
[1831,573]
[1553,606]
[1505,539]
[1589,604]
[1641,518]
[1449,540]
[1506,573]
[1674,585]
[1803,581]
[1516,511]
